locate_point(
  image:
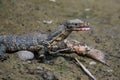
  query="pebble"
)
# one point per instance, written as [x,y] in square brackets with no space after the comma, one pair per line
[39,68]
[98,39]
[109,70]
[29,62]
[25,55]
[87,9]
[49,75]
[47,21]
[52,0]
[92,63]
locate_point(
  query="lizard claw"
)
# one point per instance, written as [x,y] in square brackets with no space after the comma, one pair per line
[42,58]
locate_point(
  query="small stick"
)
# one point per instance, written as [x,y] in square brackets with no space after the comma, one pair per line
[85,69]
[62,50]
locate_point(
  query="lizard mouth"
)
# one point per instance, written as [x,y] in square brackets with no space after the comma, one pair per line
[82,28]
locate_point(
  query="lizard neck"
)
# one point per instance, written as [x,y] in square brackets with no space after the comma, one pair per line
[58,35]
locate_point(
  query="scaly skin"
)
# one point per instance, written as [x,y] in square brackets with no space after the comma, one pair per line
[36,41]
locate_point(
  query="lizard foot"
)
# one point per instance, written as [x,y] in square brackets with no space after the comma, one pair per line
[42,59]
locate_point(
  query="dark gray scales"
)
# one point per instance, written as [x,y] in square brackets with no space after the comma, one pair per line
[32,41]
[38,42]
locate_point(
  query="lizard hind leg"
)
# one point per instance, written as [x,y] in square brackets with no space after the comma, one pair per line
[2,52]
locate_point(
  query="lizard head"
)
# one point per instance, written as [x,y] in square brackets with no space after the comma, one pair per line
[77,25]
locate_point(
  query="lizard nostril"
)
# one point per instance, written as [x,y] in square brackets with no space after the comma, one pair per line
[76,24]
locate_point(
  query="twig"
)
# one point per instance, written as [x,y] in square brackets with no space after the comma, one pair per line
[85,69]
[62,51]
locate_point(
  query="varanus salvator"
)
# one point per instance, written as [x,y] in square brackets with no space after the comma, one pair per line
[38,42]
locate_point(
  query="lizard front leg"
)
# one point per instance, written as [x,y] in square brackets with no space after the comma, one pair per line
[42,56]
[2,52]
[43,52]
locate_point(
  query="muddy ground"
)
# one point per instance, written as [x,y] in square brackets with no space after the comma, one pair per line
[25,16]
